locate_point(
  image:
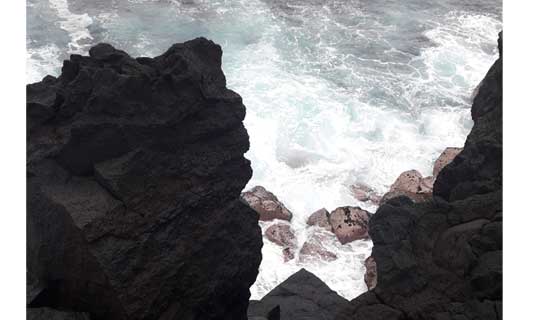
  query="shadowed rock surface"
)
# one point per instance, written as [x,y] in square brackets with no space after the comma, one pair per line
[442,259]
[302,296]
[51,314]
[282,235]
[266,204]
[134,172]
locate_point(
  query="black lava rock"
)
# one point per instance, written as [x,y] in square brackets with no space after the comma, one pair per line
[134,172]
[302,296]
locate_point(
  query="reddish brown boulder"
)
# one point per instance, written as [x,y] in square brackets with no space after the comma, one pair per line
[320,218]
[266,204]
[444,159]
[315,248]
[412,185]
[350,223]
[370,277]
[282,235]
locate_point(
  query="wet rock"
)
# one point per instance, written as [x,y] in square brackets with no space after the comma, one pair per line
[266,204]
[282,235]
[370,277]
[301,296]
[316,247]
[411,184]
[320,218]
[134,172]
[444,159]
[350,223]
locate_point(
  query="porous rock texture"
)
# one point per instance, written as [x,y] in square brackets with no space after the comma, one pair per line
[302,296]
[134,172]
[442,259]
[350,223]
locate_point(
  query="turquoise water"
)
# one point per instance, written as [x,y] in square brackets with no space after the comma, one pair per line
[337,92]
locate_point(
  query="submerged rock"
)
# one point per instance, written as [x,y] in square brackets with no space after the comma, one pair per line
[301,296]
[316,247]
[134,172]
[282,235]
[350,223]
[444,159]
[266,204]
[363,192]
[442,259]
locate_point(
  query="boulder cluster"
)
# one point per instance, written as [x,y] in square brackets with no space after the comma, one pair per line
[437,254]
[347,224]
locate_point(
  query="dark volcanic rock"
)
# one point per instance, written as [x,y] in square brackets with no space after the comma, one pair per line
[134,171]
[51,314]
[282,235]
[442,259]
[266,204]
[302,296]
[350,223]
[320,218]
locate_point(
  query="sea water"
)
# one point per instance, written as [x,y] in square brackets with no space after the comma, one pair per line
[337,92]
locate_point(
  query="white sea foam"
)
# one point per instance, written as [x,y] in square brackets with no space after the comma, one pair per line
[75,24]
[41,61]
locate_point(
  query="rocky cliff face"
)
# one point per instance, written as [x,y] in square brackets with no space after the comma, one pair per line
[134,171]
[442,259]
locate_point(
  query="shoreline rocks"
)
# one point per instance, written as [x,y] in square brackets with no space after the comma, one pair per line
[411,184]
[282,235]
[134,174]
[320,218]
[266,204]
[349,223]
[315,248]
